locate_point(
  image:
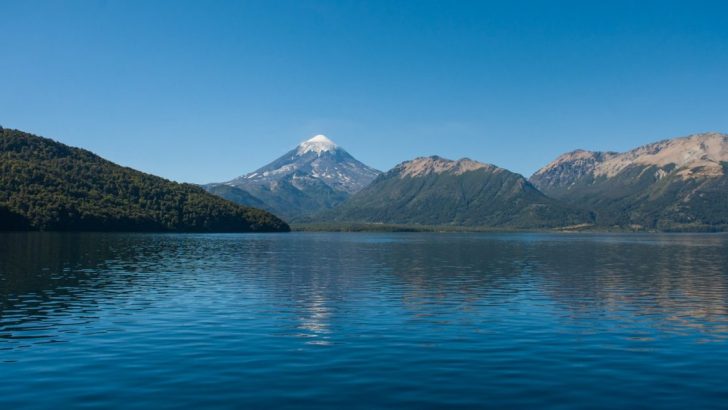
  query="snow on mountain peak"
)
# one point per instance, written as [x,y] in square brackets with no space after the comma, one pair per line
[320,138]
[318,144]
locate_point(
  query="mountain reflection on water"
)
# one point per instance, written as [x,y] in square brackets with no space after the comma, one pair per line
[327,319]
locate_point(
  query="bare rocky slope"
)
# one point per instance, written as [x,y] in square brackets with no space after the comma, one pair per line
[675,184]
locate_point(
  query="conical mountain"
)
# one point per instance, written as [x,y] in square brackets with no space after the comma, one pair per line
[314,176]
[437,191]
[679,183]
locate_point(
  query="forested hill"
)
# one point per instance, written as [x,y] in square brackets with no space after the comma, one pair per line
[434,191]
[46,185]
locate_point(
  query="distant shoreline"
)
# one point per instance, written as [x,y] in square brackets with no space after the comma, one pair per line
[372,227]
[382,228]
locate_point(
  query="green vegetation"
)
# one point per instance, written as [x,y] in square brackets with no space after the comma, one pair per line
[371,227]
[480,198]
[376,227]
[45,185]
[640,199]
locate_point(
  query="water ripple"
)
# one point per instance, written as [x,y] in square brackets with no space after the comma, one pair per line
[363,320]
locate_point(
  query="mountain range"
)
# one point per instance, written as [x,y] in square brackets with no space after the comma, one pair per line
[676,184]
[437,191]
[680,183]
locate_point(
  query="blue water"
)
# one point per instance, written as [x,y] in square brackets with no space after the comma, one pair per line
[336,320]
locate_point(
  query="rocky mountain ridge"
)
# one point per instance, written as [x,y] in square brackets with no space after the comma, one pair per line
[437,191]
[680,183]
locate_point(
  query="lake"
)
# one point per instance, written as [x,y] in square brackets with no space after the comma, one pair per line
[363,320]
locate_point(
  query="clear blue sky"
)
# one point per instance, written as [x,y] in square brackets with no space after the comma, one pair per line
[206,91]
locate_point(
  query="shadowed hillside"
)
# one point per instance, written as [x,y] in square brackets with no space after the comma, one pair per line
[46,185]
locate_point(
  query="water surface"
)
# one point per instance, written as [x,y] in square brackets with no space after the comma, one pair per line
[334,320]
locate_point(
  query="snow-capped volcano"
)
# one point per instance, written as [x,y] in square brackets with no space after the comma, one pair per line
[315,175]
[317,144]
[318,158]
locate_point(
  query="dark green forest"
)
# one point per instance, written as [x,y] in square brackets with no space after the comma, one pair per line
[46,185]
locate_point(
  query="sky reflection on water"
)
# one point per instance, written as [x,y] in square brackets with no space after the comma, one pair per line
[323,320]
